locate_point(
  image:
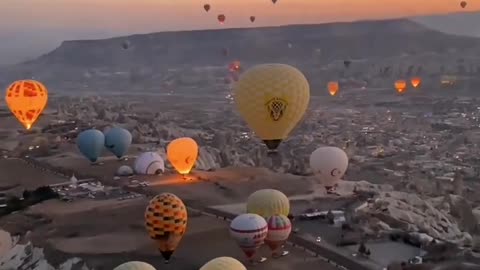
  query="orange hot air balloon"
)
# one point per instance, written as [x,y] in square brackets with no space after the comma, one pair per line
[26,99]
[182,154]
[401,86]
[221,18]
[166,222]
[416,81]
[333,88]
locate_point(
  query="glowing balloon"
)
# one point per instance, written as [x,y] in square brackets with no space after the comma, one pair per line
[134,265]
[149,163]
[26,99]
[206,7]
[416,81]
[463,4]
[90,143]
[249,230]
[268,202]
[279,229]
[117,141]
[221,18]
[235,66]
[166,222]
[401,86]
[223,263]
[182,154]
[252,18]
[333,88]
[272,99]
[329,164]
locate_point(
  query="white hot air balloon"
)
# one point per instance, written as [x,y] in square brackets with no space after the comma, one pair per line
[223,263]
[329,164]
[149,163]
[249,230]
[134,265]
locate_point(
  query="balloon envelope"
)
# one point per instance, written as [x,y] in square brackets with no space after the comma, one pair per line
[166,222]
[279,229]
[416,81]
[463,4]
[149,163]
[221,18]
[329,164]
[182,154]
[268,202]
[223,263]
[206,7]
[26,99]
[400,86]
[333,88]
[249,230]
[135,265]
[117,141]
[252,18]
[90,143]
[272,99]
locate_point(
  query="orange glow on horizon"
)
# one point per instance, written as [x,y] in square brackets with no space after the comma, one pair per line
[141,16]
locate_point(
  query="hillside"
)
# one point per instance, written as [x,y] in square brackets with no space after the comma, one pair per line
[149,55]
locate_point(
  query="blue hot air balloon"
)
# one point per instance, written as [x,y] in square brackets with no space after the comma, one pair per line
[90,143]
[117,141]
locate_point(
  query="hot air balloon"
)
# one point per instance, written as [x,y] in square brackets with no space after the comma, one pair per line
[268,202]
[274,1]
[401,86]
[117,141]
[182,154]
[166,222]
[329,164]
[347,63]
[235,66]
[279,229]
[223,263]
[272,99]
[206,7]
[126,45]
[416,81]
[333,88]
[26,99]
[149,163]
[134,265]
[463,4]
[249,230]
[221,18]
[252,18]
[90,143]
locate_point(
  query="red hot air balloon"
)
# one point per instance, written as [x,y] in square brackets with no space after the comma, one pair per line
[221,18]
[463,4]
[206,7]
[252,18]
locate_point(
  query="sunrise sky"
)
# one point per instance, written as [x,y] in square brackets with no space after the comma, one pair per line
[30,27]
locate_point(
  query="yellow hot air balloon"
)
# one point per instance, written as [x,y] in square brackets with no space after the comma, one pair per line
[333,88]
[223,263]
[268,202]
[26,99]
[401,86]
[135,265]
[272,99]
[416,81]
[182,153]
[166,222]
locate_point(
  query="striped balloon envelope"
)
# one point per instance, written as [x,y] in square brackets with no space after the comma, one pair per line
[279,229]
[249,230]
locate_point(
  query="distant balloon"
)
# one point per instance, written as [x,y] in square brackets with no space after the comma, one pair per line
[289,45]
[333,87]
[268,202]
[221,18]
[26,99]
[401,86]
[225,52]
[329,164]
[235,66]
[166,222]
[249,230]
[117,141]
[416,81]
[149,163]
[274,1]
[347,63]
[279,229]
[272,99]
[182,154]
[126,44]
[252,18]
[206,7]
[463,4]
[134,265]
[90,143]
[223,263]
